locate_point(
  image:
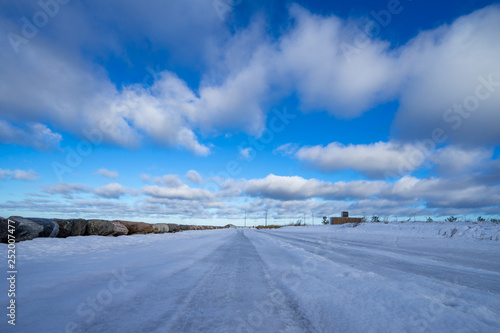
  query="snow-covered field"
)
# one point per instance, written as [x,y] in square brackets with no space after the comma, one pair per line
[396,277]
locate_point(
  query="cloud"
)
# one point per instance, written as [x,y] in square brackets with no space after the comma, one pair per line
[454,160]
[307,59]
[107,173]
[67,189]
[111,191]
[464,192]
[453,81]
[295,188]
[391,159]
[145,177]
[35,135]
[288,149]
[28,175]
[183,192]
[245,152]
[81,100]
[286,198]
[311,56]
[375,159]
[169,181]
[161,112]
[408,191]
[194,177]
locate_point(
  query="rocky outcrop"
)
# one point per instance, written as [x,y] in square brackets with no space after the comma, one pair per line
[137,227]
[105,228]
[50,228]
[160,228]
[183,227]
[25,229]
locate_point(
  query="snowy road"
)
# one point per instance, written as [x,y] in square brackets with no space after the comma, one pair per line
[291,280]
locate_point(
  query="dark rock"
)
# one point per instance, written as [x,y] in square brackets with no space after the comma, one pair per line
[4,230]
[173,227]
[160,228]
[50,228]
[99,228]
[137,227]
[71,227]
[65,227]
[183,227]
[79,227]
[25,229]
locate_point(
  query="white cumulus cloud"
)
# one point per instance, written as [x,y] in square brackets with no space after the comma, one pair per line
[18,174]
[107,173]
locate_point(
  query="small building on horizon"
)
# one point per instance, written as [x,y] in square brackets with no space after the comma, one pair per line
[344,219]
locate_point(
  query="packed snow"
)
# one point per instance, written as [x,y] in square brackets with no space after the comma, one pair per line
[375,277]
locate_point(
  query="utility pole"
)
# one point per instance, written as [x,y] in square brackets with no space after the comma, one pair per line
[266,217]
[312,217]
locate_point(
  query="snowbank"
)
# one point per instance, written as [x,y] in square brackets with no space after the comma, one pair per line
[484,231]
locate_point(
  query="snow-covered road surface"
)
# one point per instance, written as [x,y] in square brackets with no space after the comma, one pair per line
[302,279]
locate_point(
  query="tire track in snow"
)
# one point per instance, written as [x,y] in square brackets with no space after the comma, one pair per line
[461,258]
[363,260]
[227,291]
[237,296]
[145,310]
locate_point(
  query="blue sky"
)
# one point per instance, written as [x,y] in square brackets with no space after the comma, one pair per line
[199,111]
